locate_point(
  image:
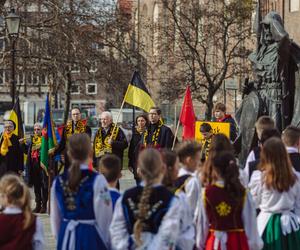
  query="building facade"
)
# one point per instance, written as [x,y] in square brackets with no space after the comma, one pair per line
[91,74]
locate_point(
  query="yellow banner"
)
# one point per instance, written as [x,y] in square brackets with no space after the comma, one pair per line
[217,127]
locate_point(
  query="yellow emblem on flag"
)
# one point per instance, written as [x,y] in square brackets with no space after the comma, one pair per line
[217,127]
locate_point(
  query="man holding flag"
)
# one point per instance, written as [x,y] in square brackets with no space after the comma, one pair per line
[157,134]
[11,153]
[48,137]
[37,175]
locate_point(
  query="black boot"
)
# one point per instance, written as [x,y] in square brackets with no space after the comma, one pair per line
[37,208]
[44,208]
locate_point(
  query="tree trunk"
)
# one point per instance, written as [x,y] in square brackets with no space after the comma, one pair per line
[209,107]
[68,97]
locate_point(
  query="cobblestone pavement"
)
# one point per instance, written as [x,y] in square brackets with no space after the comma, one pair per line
[126,181]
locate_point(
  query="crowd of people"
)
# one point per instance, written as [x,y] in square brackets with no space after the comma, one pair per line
[196,196]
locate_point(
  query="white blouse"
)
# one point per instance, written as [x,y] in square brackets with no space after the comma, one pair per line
[38,241]
[192,188]
[187,234]
[165,239]
[270,201]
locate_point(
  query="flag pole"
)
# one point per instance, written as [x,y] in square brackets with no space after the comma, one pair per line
[176,132]
[118,116]
[119,113]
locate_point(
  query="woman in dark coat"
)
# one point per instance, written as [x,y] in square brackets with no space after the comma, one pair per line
[11,153]
[141,122]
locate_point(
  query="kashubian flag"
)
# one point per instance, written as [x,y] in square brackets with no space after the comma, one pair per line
[137,94]
[16,117]
[48,137]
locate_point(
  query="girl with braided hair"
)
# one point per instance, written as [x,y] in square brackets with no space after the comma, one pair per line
[227,213]
[81,208]
[19,228]
[147,216]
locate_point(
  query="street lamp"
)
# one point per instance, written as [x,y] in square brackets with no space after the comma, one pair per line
[13,25]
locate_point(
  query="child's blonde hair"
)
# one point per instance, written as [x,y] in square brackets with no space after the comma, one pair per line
[17,193]
[151,165]
[264,122]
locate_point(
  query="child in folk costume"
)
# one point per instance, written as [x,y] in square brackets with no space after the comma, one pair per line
[276,192]
[81,208]
[227,217]
[19,228]
[189,153]
[186,240]
[110,166]
[219,142]
[147,216]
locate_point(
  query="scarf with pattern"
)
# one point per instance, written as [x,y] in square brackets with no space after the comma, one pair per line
[101,145]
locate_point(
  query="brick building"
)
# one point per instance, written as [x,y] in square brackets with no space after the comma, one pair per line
[94,82]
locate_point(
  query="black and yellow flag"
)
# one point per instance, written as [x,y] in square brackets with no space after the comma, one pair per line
[16,117]
[137,94]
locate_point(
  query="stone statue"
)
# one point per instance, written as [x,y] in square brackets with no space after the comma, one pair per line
[272,92]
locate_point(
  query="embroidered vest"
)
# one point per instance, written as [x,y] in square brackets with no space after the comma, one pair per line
[15,237]
[224,213]
[180,182]
[159,201]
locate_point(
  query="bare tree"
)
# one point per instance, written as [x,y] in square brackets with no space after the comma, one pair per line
[60,37]
[207,43]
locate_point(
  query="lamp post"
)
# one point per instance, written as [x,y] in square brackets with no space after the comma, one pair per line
[13,24]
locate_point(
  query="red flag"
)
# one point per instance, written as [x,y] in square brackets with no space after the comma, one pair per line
[187,116]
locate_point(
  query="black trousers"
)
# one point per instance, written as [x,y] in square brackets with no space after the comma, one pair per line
[40,185]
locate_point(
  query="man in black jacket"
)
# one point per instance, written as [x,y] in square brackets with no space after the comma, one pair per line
[11,153]
[157,135]
[109,139]
[73,126]
[37,176]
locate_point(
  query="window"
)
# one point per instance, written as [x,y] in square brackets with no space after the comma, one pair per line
[75,89]
[93,67]
[35,79]
[2,44]
[20,79]
[75,68]
[2,80]
[28,78]
[43,79]
[294,5]
[91,88]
